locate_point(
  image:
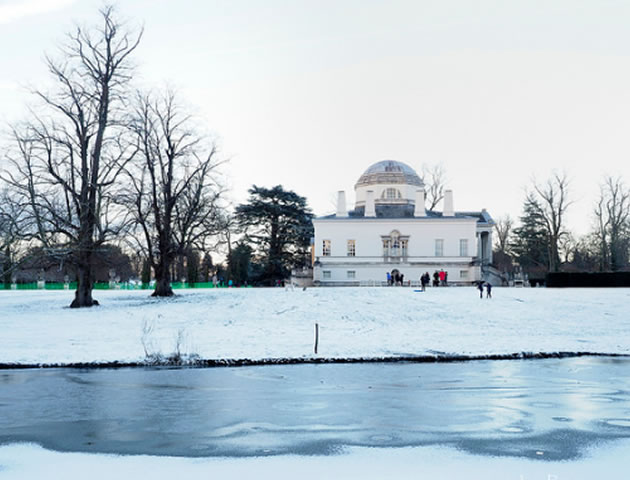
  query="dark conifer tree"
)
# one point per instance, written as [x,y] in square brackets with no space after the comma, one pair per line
[279,224]
[529,240]
[239,263]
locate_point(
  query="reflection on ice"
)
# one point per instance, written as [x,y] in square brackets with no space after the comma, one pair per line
[507,408]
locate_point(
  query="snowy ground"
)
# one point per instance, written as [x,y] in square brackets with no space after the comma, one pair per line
[37,327]
[32,462]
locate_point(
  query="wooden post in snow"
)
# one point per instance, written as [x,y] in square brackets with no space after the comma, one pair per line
[316,336]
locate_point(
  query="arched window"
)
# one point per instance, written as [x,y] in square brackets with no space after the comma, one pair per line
[391,194]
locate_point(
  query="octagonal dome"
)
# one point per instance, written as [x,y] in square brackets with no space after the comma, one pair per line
[388,172]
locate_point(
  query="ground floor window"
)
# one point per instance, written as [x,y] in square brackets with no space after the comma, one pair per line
[463,274]
[326,274]
[351,274]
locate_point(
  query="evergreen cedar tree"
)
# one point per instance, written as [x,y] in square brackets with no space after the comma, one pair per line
[278,223]
[240,264]
[530,239]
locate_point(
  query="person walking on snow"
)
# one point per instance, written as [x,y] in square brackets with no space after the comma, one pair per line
[488,290]
[480,287]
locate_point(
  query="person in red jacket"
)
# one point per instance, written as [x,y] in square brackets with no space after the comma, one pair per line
[442,277]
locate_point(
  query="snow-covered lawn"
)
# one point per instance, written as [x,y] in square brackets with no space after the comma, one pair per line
[37,327]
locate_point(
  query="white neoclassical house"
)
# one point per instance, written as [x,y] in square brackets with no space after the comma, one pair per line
[389,229]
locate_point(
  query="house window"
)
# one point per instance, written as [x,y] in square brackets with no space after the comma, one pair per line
[463,274]
[395,245]
[391,194]
[326,274]
[395,248]
[351,274]
[386,245]
[326,248]
[439,247]
[463,247]
[352,248]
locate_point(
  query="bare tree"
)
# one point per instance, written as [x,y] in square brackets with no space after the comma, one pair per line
[567,248]
[612,214]
[551,199]
[228,227]
[11,219]
[434,178]
[503,228]
[67,159]
[172,189]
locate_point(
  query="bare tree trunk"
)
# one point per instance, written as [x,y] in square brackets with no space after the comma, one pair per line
[162,281]
[70,155]
[553,201]
[503,229]
[171,189]
[83,293]
[612,213]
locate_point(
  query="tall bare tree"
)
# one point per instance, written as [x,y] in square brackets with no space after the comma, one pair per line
[67,159]
[434,178]
[11,225]
[172,189]
[551,199]
[503,228]
[612,214]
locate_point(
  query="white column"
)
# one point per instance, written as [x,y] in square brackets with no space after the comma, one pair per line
[449,210]
[419,210]
[488,242]
[342,209]
[370,209]
[479,249]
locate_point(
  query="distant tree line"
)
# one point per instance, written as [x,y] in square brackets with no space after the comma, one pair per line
[541,242]
[102,177]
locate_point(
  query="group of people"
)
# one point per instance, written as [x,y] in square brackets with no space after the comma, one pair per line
[488,285]
[395,278]
[439,278]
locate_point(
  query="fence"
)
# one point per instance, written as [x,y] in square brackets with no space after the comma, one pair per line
[106,286]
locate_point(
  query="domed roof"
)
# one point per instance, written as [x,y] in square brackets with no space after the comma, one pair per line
[389,171]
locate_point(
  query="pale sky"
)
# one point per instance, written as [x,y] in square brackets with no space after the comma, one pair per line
[308,94]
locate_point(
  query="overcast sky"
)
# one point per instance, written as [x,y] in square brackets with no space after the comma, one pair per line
[308,94]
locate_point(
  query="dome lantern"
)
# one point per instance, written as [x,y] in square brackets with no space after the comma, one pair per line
[393,183]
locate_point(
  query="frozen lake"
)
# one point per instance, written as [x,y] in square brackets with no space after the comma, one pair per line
[554,409]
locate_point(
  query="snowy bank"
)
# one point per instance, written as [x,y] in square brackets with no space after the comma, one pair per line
[26,461]
[38,328]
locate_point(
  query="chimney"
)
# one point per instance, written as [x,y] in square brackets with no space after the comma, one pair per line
[419,208]
[448,204]
[342,210]
[370,211]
